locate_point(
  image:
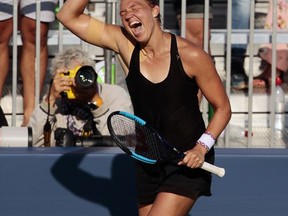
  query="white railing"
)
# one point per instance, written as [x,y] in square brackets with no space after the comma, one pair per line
[225,37]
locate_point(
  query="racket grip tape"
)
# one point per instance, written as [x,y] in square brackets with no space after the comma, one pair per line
[219,171]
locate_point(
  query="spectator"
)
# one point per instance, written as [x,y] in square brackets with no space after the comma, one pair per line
[75,114]
[240,20]
[194,19]
[265,52]
[27,27]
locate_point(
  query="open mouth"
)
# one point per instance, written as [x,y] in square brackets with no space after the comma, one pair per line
[136,26]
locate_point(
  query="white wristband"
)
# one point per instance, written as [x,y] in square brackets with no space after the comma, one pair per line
[206,140]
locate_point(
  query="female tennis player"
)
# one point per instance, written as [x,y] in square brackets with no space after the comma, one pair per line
[163,74]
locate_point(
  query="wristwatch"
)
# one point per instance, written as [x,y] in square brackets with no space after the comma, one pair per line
[95,104]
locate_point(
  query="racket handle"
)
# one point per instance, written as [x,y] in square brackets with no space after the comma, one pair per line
[213,169]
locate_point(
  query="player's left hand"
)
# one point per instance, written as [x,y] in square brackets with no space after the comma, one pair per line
[194,158]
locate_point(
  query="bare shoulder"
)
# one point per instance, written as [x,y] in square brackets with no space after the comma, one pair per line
[189,50]
[193,57]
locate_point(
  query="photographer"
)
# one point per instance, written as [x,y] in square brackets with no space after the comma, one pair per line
[76,104]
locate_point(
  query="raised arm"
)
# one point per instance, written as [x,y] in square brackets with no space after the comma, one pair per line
[89,29]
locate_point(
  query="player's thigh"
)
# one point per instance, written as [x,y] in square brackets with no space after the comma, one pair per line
[143,210]
[170,204]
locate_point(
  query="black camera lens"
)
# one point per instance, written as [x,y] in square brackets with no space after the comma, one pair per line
[86,77]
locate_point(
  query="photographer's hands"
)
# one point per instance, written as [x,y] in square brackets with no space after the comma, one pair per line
[65,83]
[60,84]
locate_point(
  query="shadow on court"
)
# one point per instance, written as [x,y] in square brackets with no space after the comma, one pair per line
[116,193]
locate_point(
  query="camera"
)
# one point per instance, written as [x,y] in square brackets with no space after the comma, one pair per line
[85,80]
[65,138]
[22,139]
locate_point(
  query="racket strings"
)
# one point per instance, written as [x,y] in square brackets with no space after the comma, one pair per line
[124,130]
[137,137]
[151,142]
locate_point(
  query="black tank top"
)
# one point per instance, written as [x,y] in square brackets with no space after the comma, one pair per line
[171,106]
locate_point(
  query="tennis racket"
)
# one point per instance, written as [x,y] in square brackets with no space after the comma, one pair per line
[142,142]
